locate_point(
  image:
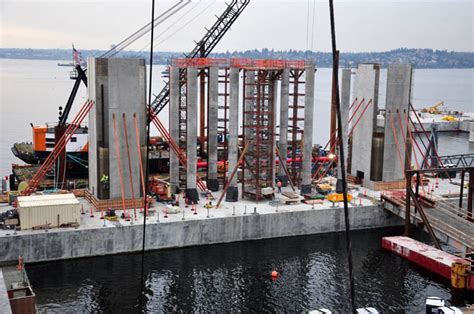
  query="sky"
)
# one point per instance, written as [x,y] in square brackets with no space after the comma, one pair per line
[291,24]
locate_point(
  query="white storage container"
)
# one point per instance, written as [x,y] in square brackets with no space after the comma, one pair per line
[52,209]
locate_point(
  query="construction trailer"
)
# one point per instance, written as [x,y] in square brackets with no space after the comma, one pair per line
[48,211]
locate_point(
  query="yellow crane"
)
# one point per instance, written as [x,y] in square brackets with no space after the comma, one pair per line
[434,109]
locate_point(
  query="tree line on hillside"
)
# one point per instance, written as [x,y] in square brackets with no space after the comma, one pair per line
[421,58]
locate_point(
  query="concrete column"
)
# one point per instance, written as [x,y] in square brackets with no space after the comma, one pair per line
[232,194]
[397,105]
[345,103]
[308,128]
[174,126]
[283,144]
[471,132]
[367,88]
[191,133]
[273,89]
[118,88]
[213,94]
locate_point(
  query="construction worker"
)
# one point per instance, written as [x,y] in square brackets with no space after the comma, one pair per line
[104,180]
[279,186]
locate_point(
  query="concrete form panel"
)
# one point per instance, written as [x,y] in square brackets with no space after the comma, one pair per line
[366,87]
[397,103]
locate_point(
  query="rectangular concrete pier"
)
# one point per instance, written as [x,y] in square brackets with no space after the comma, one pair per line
[212,96]
[233,192]
[174,126]
[222,226]
[397,106]
[308,128]
[367,89]
[191,133]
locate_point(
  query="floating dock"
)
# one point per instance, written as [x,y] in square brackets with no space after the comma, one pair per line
[457,270]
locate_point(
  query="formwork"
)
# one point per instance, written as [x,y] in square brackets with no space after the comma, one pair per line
[296,116]
[259,132]
[257,125]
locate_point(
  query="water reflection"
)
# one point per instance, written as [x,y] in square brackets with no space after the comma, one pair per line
[236,278]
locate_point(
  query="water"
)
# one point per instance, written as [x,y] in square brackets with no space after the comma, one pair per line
[32,90]
[236,278]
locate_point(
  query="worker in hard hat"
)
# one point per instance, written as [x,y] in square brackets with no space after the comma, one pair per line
[104,180]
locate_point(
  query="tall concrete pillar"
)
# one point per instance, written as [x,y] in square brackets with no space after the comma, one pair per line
[283,144]
[397,105]
[118,88]
[213,94]
[345,103]
[308,128]
[191,133]
[174,126]
[232,194]
[367,88]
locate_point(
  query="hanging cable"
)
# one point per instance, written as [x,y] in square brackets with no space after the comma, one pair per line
[187,24]
[146,47]
[312,25]
[342,160]
[145,29]
[307,25]
[147,168]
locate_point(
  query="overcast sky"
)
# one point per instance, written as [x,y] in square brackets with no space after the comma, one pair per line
[361,25]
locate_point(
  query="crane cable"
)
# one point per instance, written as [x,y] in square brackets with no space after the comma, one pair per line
[145,29]
[307,25]
[342,161]
[142,50]
[312,26]
[147,169]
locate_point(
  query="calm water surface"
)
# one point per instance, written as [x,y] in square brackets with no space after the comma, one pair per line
[236,278]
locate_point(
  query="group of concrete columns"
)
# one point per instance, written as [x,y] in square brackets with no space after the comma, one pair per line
[233,127]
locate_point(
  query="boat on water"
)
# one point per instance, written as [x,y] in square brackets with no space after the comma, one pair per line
[35,152]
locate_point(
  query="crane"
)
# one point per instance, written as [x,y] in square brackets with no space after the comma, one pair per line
[204,47]
[433,109]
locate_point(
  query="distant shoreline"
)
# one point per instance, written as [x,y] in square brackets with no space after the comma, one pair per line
[420,58]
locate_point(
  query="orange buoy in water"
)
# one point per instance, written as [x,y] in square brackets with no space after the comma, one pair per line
[274,274]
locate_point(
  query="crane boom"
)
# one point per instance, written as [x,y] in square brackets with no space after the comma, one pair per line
[204,47]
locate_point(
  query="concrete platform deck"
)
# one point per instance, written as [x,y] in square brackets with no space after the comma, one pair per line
[269,221]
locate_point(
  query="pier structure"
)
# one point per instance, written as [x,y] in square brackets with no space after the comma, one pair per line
[117,87]
[240,108]
[380,154]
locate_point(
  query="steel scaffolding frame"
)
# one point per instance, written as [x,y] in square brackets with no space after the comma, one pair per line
[259,132]
[183,116]
[296,114]
[223,121]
